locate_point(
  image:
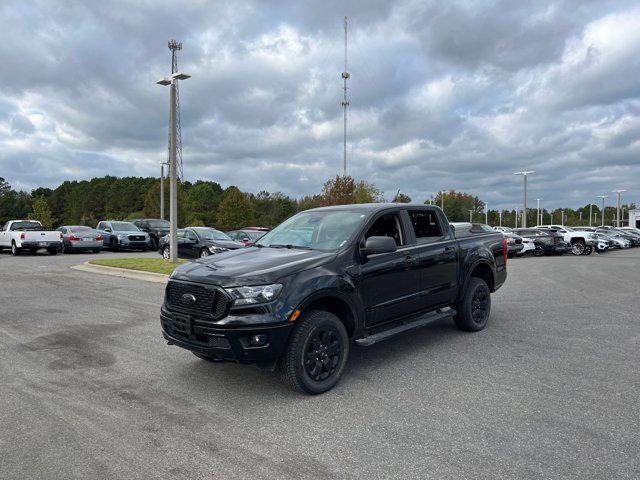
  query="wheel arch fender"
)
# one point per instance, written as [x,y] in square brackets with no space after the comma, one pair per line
[338,302]
[480,268]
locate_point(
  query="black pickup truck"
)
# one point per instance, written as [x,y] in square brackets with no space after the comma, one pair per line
[297,298]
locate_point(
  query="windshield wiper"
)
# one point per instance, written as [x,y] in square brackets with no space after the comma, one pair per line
[290,246]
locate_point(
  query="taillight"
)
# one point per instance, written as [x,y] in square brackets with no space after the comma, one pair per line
[555,239]
[99,237]
[504,250]
[22,236]
[73,238]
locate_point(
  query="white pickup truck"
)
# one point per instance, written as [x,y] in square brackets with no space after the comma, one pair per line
[581,241]
[19,235]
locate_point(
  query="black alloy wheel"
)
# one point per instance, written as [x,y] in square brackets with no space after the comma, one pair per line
[480,305]
[322,353]
[316,353]
[473,311]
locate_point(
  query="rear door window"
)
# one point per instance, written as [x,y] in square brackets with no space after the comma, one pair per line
[425,225]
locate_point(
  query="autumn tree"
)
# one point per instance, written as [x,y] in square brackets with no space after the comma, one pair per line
[234,210]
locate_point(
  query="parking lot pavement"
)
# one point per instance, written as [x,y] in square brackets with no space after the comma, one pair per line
[549,390]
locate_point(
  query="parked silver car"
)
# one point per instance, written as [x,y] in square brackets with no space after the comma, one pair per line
[78,238]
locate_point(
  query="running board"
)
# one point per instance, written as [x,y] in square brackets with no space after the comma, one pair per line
[420,322]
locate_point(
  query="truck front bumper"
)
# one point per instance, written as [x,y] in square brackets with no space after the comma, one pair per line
[234,344]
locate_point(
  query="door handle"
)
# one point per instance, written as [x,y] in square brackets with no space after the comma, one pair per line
[449,250]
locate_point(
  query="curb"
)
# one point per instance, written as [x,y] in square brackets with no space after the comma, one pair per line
[123,272]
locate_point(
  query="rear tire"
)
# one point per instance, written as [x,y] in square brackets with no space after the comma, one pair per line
[53,251]
[538,252]
[205,252]
[588,250]
[15,251]
[316,353]
[166,253]
[96,250]
[472,313]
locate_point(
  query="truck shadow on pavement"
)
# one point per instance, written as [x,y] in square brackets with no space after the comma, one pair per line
[364,363]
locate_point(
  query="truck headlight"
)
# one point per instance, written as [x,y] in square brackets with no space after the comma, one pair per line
[254,295]
[215,250]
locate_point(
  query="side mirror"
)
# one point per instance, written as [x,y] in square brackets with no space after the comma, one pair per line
[377,245]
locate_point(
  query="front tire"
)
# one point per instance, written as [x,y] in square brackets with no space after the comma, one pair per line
[205,252]
[578,248]
[316,353]
[473,311]
[96,250]
[113,244]
[53,251]
[166,253]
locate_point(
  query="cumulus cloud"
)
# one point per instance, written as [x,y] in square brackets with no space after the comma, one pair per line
[442,95]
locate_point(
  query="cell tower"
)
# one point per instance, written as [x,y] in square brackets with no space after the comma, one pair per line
[175,46]
[345,102]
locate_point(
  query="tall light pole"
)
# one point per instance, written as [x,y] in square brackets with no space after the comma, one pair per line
[524,203]
[561,217]
[618,192]
[442,199]
[538,221]
[470,215]
[486,213]
[590,212]
[500,217]
[162,164]
[602,213]
[172,82]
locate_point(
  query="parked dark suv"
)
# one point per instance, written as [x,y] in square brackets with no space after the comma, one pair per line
[155,227]
[296,298]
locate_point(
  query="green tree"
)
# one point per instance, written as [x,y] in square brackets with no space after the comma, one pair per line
[201,202]
[402,198]
[42,212]
[269,209]
[234,211]
[458,204]
[367,192]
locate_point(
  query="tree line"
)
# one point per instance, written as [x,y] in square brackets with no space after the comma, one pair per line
[207,203]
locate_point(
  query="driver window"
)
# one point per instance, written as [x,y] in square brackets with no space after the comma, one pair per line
[191,236]
[387,225]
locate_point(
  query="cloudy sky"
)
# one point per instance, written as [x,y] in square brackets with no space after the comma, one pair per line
[443,94]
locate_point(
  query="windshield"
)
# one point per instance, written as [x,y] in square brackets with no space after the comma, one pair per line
[124,227]
[159,224]
[212,234]
[319,230]
[26,226]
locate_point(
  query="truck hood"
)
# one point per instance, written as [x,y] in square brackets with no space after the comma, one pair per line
[250,266]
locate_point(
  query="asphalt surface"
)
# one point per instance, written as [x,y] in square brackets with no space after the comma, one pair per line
[549,389]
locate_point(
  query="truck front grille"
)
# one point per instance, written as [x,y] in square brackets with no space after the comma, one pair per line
[210,301]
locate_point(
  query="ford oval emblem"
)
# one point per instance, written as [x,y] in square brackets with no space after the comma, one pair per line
[189,299]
